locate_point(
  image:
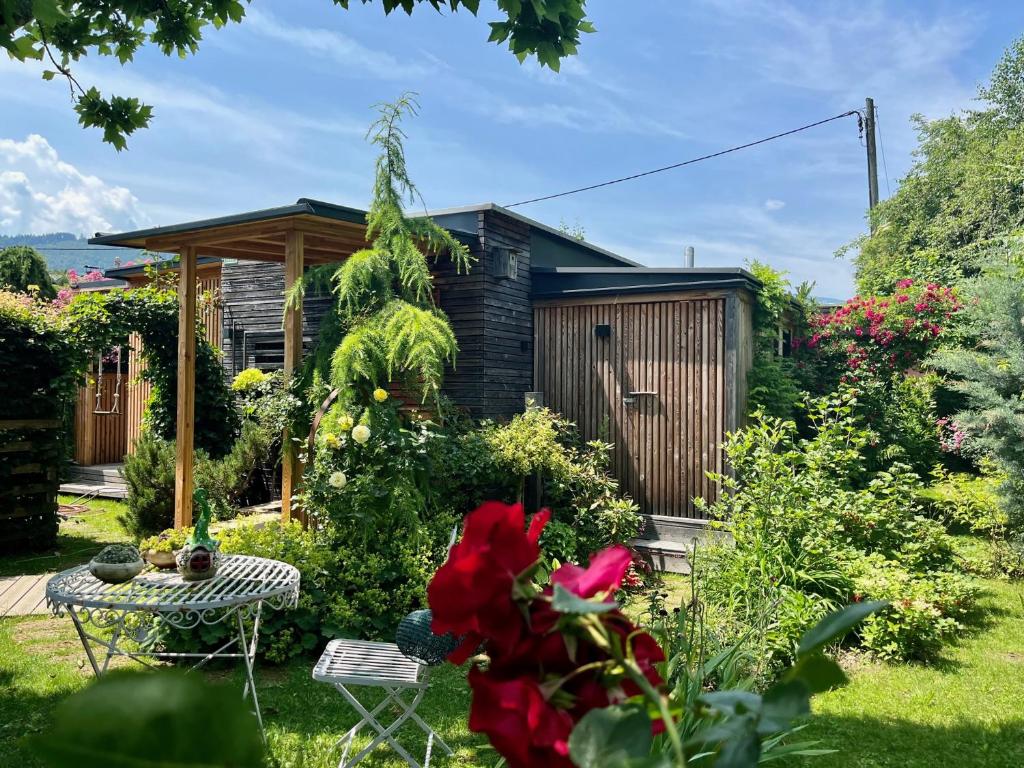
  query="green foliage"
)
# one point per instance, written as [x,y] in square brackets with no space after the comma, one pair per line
[774,382]
[149,473]
[806,516]
[60,32]
[249,380]
[387,327]
[99,321]
[123,719]
[987,370]
[961,197]
[23,270]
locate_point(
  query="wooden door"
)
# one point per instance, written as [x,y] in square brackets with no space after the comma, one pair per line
[647,377]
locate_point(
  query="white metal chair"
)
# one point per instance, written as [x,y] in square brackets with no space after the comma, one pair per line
[349,663]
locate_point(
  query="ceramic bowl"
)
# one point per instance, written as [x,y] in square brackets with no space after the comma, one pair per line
[163,560]
[115,573]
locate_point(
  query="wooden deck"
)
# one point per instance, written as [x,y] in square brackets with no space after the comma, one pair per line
[23,595]
[102,480]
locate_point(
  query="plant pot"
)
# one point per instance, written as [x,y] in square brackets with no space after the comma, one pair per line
[197,563]
[115,573]
[160,559]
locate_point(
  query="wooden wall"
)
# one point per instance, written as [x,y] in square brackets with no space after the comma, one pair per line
[106,438]
[30,454]
[492,318]
[253,298]
[655,387]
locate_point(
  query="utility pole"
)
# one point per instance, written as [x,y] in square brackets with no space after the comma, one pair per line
[869,128]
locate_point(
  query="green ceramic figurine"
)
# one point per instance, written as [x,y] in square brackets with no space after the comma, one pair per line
[199,558]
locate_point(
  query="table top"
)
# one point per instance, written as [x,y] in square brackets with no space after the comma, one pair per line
[240,580]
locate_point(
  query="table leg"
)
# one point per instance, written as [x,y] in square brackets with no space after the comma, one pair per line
[248,658]
[85,640]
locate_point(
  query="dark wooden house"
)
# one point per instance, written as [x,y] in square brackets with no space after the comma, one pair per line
[653,360]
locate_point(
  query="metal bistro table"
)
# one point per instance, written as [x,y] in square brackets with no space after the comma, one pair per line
[238,591]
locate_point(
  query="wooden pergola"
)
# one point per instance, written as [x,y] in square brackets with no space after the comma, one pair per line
[309,232]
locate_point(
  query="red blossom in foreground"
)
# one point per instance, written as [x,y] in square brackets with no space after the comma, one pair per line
[472,591]
[547,669]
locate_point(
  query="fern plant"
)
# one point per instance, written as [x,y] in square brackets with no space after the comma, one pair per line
[384,301]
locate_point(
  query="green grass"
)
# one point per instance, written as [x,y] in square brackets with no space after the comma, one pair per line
[81,536]
[967,710]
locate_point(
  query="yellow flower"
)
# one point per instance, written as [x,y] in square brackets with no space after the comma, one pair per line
[337,480]
[361,433]
[345,422]
[331,440]
[380,395]
[35,289]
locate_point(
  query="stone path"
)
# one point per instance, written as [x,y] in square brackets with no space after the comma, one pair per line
[23,595]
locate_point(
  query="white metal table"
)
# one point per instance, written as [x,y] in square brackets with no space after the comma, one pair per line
[237,593]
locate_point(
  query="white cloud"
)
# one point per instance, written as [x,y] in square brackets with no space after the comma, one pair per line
[40,193]
[772,204]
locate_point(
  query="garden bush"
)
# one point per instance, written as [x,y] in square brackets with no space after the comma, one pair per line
[807,518]
[230,481]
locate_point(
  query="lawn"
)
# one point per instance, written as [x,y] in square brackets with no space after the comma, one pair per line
[966,711]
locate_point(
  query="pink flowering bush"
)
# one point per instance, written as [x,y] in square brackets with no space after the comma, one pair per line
[884,334]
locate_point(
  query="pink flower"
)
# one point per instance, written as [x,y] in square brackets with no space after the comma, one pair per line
[905,283]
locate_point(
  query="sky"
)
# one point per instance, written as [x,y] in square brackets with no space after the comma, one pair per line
[277,108]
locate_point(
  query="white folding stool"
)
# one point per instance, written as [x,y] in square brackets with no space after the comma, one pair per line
[380,665]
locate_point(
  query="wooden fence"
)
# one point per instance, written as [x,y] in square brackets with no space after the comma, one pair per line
[29,460]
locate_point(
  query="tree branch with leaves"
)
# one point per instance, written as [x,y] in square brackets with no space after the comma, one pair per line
[61,32]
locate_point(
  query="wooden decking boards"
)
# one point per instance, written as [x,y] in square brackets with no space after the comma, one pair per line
[23,595]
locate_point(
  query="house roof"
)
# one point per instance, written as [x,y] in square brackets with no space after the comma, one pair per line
[565,282]
[335,231]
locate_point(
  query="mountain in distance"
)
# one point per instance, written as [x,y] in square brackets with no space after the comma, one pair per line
[64,251]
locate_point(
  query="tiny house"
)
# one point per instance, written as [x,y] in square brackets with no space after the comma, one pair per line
[652,360]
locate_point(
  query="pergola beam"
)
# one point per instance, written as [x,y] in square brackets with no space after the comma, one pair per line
[185,434]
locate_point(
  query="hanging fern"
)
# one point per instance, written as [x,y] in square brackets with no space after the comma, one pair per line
[384,294]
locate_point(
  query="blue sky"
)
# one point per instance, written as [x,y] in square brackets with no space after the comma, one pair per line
[276,109]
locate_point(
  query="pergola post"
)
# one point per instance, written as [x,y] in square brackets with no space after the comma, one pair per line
[291,470]
[185,434]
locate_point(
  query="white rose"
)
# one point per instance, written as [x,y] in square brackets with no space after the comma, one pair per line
[337,480]
[361,433]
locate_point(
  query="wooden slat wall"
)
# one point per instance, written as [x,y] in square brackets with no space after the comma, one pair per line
[666,442]
[106,438]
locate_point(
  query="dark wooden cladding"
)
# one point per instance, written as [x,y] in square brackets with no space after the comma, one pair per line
[654,388]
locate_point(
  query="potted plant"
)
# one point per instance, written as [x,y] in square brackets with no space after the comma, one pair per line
[116,564]
[160,550]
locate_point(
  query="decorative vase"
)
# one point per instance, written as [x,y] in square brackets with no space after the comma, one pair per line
[160,559]
[115,573]
[199,559]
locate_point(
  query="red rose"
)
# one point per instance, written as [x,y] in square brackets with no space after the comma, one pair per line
[471,594]
[603,576]
[525,729]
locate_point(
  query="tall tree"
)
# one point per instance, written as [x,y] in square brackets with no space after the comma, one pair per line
[60,32]
[384,298]
[23,269]
[963,196]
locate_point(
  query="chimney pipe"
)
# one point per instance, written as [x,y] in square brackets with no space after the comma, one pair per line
[688,261]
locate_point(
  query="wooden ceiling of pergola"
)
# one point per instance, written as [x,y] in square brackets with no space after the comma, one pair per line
[329,233]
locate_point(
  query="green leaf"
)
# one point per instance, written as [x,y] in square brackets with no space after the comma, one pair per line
[818,672]
[566,602]
[783,703]
[836,625]
[48,12]
[152,720]
[612,737]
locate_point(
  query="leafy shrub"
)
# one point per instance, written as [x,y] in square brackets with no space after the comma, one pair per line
[923,612]
[149,474]
[248,380]
[806,526]
[23,269]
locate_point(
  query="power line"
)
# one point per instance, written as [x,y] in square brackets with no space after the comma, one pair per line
[881,145]
[692,161]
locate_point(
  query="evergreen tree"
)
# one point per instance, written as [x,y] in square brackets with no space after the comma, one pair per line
[987,369]
[390,328]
